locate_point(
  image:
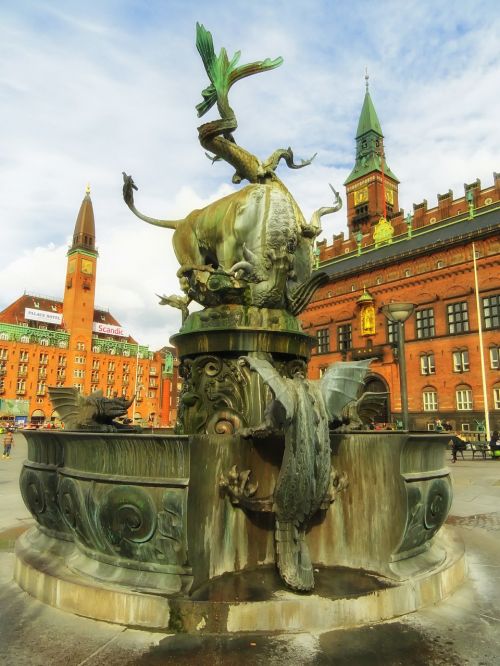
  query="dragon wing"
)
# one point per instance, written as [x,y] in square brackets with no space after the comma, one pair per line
[66,401]
[275,381]
[371,404]
[341,384]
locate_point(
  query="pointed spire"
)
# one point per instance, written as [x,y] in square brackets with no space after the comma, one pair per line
[369,141]
[84,233]
[368,120]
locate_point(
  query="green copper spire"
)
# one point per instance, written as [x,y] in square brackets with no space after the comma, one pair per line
[369,143]
[368,120]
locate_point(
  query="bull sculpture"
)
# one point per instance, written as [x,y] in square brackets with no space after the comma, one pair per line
[253,246]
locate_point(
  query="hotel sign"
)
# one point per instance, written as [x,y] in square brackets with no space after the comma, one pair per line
[43,315]
[108,329]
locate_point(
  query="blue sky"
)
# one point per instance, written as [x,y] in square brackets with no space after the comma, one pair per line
[88,90]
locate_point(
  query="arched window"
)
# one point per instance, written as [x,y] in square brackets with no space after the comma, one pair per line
[463,394]
[44,342]
[430,399]
[24,338]
[4,336]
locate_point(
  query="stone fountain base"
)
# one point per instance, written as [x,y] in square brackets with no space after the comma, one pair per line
[136,530]
[235,602]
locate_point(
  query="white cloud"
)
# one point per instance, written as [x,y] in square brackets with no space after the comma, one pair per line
[87,91]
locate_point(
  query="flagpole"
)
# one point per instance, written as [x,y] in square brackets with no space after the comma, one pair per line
[134,404]
[481,348]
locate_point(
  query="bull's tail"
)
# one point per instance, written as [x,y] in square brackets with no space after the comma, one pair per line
[292,556]
[128,196]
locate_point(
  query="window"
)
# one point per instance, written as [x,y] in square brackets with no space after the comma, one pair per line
[24,338]
[379,280]
[464,398]
[407,272]
[111,378]
[109,392]
[461,361]
[79,387]
[21,386]
[61,361]
[95,365]
[40,389]
[4,336]
[323,336]
[4,354]
[465,427]
[80,360]
[430,400]
[458,317]
[427,365]
[496,397]
[440,264]
[62,344]
[151,394]
[44,342]
[22,370]
[43,358]
[79,373]
[425,323]
[80,346]
[491,311]
[494,358]
[344,337]
[96,349]
[111,365]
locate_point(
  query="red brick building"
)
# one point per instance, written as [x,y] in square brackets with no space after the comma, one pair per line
[425,258]
[69,342]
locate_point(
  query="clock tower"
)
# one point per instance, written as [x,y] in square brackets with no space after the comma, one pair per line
[79,290]
[371,188]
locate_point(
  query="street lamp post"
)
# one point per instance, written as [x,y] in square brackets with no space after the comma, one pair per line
[399,313]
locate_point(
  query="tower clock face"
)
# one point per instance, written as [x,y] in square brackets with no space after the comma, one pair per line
[87,267]
[360,196]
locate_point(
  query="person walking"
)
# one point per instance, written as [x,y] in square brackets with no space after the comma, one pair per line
[8,442]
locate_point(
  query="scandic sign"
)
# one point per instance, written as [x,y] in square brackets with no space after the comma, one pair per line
[107,329]
[43,315]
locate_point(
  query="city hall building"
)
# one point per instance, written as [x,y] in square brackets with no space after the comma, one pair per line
[69,342]
[445,260]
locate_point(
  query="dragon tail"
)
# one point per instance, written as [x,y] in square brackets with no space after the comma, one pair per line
[292,556]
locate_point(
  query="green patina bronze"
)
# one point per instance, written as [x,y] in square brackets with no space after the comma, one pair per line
[250,475]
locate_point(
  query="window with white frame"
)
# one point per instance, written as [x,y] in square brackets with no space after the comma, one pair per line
[461,361]
[494,358]
[430,400]
[80,346]
[427,364]
[80,374]
[464,398]
[80,360]
[496,397]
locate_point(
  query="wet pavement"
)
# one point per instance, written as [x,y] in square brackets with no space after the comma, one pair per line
[462,630]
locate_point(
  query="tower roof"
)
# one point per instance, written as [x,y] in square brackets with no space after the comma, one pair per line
[368,120]
[84,233]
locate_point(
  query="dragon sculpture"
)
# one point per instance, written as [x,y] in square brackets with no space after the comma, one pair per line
[304,410]
[93,413]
